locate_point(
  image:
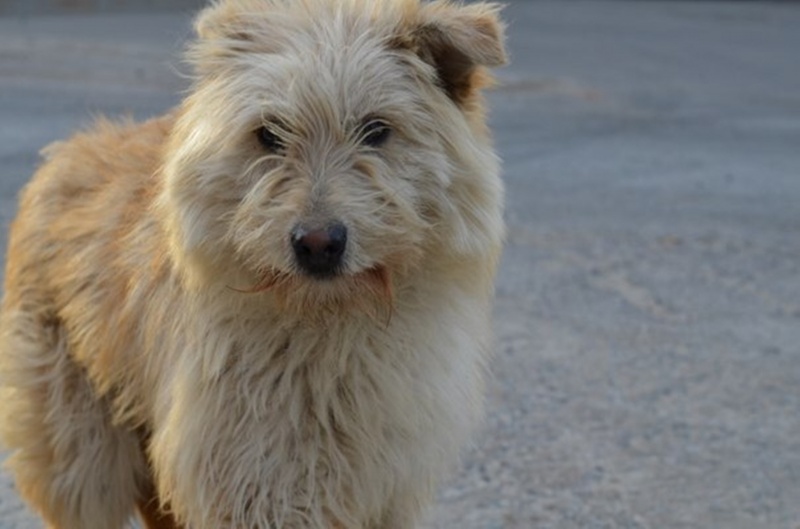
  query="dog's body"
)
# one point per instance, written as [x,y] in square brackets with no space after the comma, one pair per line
[272,306]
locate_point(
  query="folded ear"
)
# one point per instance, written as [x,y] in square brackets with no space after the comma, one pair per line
[226,30]
[457,40]
[221,20]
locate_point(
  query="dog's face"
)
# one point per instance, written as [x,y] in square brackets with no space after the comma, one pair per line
[331,143]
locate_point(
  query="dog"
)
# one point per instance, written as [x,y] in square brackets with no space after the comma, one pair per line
[270,307]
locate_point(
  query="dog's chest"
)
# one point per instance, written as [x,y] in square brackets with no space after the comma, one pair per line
[349,383]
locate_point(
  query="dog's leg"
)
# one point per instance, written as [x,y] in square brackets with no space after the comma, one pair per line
[402,513]
[154,518]
[70,463]
[150,510]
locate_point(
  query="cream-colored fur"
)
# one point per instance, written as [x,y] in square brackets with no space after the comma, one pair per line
[156,329]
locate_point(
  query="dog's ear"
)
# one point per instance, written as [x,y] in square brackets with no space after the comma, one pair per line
[226,30]
[457,40]
[219,21]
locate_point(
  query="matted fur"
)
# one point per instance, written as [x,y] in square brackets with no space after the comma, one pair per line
[156,332]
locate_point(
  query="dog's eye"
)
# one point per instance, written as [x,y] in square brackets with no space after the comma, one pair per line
[375,133]
[268,139]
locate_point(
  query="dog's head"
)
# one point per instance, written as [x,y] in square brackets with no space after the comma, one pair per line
[332,143]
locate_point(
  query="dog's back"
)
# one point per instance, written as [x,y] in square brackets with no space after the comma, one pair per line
[63,317]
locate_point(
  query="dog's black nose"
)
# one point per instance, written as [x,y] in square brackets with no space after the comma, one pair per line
[319,251]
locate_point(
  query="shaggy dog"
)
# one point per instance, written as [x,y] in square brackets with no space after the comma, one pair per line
[269,308]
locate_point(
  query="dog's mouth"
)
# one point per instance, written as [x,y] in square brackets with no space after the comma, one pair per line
[377,280]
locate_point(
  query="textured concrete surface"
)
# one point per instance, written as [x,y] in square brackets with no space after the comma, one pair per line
[648,308]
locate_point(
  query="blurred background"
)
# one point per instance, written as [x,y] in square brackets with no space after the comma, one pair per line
[647,373]
[41,7]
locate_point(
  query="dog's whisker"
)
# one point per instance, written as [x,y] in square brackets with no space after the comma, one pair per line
[270,280]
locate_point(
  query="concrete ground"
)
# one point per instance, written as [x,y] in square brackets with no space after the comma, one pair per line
[648,306]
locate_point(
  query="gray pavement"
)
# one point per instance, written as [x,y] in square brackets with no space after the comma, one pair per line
[648,306]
